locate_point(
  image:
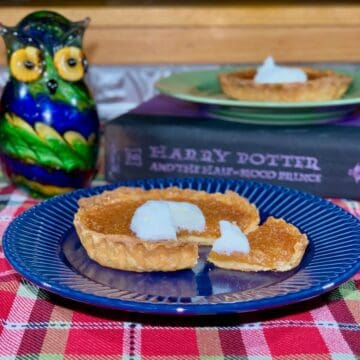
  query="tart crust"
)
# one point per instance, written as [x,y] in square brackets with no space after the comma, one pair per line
[103,225]
[321,85]
[125,252]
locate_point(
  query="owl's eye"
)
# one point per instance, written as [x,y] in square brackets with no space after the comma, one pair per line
[70,63]
[26,64]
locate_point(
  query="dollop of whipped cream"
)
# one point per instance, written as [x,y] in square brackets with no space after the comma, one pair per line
[186,216]
[271,73]
[232,239]
[160,220]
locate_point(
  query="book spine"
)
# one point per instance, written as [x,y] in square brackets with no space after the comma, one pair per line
[321,160]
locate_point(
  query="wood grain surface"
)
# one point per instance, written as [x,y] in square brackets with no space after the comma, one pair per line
[164,34]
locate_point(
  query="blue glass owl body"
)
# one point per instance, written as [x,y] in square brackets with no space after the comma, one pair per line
[49,127]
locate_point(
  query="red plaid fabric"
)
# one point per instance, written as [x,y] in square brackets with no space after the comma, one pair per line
[38,325]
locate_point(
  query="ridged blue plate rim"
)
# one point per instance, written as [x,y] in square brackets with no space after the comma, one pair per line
[333,232]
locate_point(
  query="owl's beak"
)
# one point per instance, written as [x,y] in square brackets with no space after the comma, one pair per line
[52,86]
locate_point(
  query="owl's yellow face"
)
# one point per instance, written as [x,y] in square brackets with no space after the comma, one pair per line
[70,63]
[27,63]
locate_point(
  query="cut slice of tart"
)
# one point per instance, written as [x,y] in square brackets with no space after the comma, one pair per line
[275,245]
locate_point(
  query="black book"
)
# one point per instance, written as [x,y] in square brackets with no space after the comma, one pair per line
[321,159]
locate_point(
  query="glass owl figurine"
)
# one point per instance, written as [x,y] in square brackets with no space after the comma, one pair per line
[49,127]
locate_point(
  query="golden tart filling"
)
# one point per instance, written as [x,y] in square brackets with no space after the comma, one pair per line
[115,218]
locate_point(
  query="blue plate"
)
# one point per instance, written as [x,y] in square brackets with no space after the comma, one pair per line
[42,245]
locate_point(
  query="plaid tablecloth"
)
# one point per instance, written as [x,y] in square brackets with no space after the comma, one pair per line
[38,325]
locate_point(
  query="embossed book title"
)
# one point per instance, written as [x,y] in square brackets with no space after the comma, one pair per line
[321,159]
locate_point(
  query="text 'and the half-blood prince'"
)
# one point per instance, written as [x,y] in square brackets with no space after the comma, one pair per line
[221,162]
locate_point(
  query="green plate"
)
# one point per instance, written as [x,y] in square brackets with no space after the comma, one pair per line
[203,87]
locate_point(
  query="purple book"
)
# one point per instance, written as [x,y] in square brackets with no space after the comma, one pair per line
[171,138]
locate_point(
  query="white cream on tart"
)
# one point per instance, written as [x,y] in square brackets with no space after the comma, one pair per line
[271,73]
[160,220]
[232,239]
[186,216]
[152,221]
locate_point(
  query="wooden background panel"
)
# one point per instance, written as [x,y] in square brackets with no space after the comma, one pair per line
[223,45]
[201,15]
[213,34]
